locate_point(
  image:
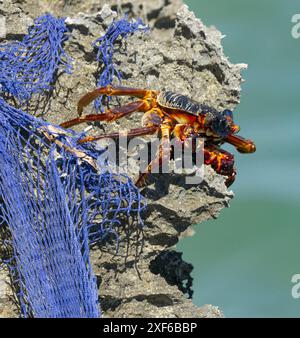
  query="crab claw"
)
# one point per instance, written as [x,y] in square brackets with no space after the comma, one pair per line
[242,145]
[235,129]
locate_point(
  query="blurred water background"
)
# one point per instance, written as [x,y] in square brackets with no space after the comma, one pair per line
[244,261]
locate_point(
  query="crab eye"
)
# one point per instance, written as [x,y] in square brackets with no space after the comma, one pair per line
[228,113]
[220,125]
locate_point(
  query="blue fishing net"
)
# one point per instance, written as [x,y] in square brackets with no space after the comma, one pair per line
[55,197]
[105,46]
[56,204]
[29,67]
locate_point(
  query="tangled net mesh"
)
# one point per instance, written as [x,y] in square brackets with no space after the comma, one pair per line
[55,198]
[105,48]
[29,67]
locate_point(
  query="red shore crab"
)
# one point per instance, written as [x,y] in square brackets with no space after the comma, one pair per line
[171,115]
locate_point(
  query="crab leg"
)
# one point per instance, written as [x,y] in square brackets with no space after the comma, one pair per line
[111,114]
[112,91]
[130,133]
[221,161]
[163,155]
[242,145]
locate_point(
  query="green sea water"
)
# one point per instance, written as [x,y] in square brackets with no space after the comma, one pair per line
[244,260]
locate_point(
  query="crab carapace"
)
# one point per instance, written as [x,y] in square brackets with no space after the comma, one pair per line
[171,115]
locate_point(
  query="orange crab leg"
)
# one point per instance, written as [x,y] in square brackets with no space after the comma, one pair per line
[163,155]
[242,145]
[221,161]
[130,133]
[113,91]
[111,114]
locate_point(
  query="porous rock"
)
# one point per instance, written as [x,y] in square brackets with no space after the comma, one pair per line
[180,54]
[8,307]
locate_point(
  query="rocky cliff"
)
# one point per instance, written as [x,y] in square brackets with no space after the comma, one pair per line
[145,277]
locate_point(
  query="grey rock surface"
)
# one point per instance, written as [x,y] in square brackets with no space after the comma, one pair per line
[16,21]
[180,54]
[8,307]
